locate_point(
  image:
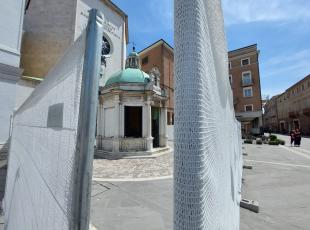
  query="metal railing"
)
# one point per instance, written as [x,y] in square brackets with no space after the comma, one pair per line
[247,83]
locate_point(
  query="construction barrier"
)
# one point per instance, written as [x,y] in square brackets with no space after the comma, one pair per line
[207,158]
[52,144]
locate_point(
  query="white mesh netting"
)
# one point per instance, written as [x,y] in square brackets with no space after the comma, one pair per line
[42,164]
[208,158]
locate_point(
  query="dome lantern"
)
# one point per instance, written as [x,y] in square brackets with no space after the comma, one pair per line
[133,60]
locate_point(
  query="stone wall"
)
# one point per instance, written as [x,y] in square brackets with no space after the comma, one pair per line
[48,32]
[113,30]
[132,144]
[125,144]
[11,28]
[8,77]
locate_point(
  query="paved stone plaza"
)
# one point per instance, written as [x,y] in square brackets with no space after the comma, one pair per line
[279,181]
[134,168]
[140,200]
[158,166]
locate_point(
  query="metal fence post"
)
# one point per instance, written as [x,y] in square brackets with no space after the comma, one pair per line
[87,120]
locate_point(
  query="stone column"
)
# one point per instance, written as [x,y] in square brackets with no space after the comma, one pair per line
[163,138]
[148,122]
[100,123]
[116,123]
[121,120]
[144,120]
[260,121]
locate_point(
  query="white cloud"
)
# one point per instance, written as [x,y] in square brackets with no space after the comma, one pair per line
[246,11]
[290,58]
[281,71]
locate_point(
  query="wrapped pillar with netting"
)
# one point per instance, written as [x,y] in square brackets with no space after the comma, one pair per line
[208,159]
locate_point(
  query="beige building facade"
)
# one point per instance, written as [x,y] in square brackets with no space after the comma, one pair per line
[270,117]
[244,78]
[290,110]
[51,26]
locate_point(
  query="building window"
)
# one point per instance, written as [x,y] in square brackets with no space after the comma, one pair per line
[106,46]
[145,60]
[229,65]
[248,108]
[247,78]
[169,120]
[245,61]
[248,92]
[230,79]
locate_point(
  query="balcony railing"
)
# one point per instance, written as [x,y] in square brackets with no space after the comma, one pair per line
[306,111]
[293,114]
[247,82]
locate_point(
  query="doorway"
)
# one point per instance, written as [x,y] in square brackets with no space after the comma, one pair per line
[296,124]
[133,121]
[155,126]
[282,126]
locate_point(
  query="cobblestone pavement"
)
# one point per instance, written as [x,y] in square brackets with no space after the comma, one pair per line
[134,168]
[160,166]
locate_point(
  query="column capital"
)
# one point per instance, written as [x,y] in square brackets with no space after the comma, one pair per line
[148,101]
[163,104]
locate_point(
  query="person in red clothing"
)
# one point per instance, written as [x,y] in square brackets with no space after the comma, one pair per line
[292,135]
[297,138]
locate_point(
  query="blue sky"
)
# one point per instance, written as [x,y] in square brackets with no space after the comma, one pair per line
[281,28]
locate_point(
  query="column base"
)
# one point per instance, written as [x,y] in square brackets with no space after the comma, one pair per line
[149,143]
[163,141]
[115,145]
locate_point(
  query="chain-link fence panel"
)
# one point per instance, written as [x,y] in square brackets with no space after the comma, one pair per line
[52,143]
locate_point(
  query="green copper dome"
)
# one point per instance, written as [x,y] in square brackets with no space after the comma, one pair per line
[133,54]
[129,75]
[132,73]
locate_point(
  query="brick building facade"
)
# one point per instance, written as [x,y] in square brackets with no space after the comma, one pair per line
[290,110]
[243,74]
[270,117]
[160,55]
[245,82]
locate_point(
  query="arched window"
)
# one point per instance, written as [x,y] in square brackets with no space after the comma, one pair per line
[106,47]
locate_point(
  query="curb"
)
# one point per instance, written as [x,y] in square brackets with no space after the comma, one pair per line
[131,179]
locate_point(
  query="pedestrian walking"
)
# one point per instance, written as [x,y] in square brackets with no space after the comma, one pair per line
[292,135]
[270,131]
[297,138]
